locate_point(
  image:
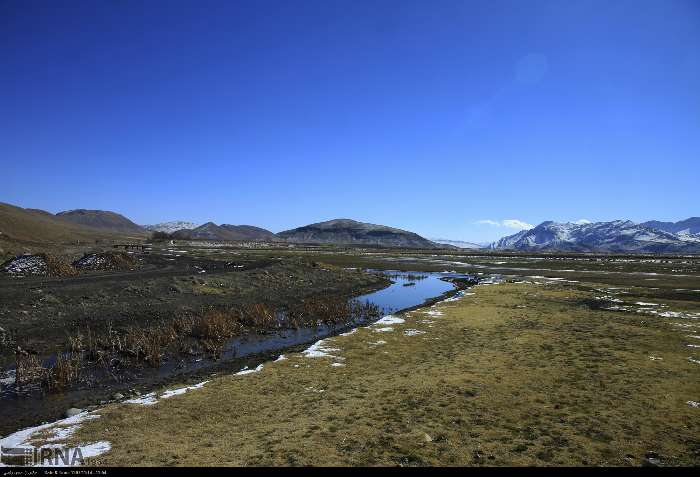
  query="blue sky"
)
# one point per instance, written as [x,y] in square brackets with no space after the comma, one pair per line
[435,117]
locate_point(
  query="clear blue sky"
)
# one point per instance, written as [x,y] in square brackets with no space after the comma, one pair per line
[426,115]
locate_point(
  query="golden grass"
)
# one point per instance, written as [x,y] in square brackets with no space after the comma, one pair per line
[513,375]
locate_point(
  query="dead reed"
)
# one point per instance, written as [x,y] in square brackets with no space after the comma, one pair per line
[208,331]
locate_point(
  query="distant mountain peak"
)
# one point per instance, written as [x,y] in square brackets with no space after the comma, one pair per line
[172,226]
[458,243]
[224,232]
[689,226]
[614,236]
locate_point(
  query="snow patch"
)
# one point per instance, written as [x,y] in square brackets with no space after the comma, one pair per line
[319,349]
[21,438]
[176,392]
[246,371]
[145,400]
[390,320]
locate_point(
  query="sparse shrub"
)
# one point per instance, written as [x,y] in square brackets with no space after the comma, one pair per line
[260,317]
[65,371]
[58,267]
[329,311]
[28,368]
[214,328]
[214,325]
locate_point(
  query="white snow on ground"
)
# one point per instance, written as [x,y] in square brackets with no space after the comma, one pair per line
[377,343]
[22,438]
[386,329]
[245,370]
[693,360]
[26,265]
[62,433]
[693,346]
[94,449]
[389,320]
[145,400]
[608,298]
[412,332]
[175,392]
[280,358]
[697,337]
[319,349]
[673,314]
[434,313]
[456,296]
[693,404]
[646,309]
[337,364]
[655,358]
[348,333]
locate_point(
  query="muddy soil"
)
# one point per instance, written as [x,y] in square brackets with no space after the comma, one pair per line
[40,314]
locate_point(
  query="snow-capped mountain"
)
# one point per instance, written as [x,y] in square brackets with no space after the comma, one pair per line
[458,243]
[615,236]
[170,227]
[688,227]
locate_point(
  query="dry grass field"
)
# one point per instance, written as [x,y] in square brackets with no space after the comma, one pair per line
[509,374]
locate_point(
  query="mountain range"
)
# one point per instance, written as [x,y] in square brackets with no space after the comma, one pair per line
[28,226]
[39,226]
[689,226]
[621,236]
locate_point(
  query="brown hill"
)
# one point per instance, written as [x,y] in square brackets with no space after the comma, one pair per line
[351,232]
[250,232]
[39,226]
[102,219]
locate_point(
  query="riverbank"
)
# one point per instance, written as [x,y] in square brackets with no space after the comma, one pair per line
[100,323]
[508,374]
